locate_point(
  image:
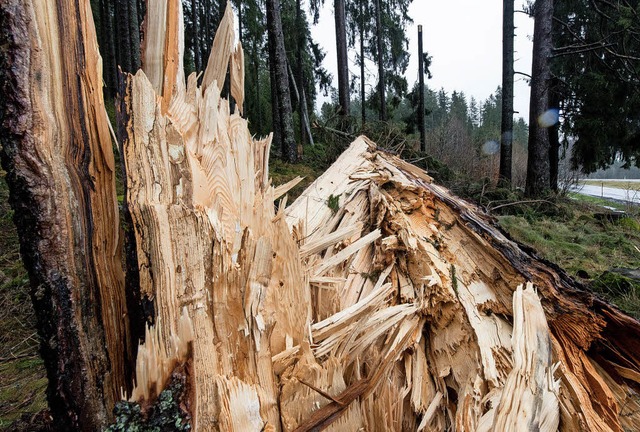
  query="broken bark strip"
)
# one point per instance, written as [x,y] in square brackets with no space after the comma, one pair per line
[57,152]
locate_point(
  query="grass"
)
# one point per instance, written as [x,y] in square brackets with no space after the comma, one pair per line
[599,202]
[22,375]
[587,244]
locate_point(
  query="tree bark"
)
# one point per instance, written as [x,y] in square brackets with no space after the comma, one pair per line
[506,127]
[106,48]
[554,137]
[123,41]
[134,34]
[421,126]
[196,35]
[343,59]
[380,59]
[538,175]
[278,64]
[298,77]
[363,111]
[57,152]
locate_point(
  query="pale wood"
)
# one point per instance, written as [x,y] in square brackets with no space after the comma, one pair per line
[401,309]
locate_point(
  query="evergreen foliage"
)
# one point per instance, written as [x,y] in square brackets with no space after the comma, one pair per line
[597,66]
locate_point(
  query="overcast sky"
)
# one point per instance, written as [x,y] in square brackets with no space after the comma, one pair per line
[464,38]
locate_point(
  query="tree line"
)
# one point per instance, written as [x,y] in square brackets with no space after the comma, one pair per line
[585,72]
[282,86]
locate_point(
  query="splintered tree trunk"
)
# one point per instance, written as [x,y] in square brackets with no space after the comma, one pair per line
[57,152]
[377,301]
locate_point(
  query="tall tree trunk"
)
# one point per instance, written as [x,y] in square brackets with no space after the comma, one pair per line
[343,59]
[197,37]
[60,169]
[256,77]
[107,48]
[299,75]
[538,176]
[278,64]
[381,79]
[134,35]
[363,110]
[123,40]
[554,138]
[205,30]
[506,128]
[423,143]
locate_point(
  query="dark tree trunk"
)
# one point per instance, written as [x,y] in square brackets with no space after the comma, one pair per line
[197,38]
[256,72]
[57,152]
[275,116]
[423,144]
[205,29]
[299,75]
[134,35]
[123,41]
[109,70]
[506,128]
[278,66]
[538,176]
[343,60]
[554,140]
[380,59]
[362,81]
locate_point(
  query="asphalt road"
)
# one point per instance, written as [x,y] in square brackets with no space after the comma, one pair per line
[609,192]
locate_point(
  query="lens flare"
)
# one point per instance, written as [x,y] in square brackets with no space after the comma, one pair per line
[490,147]
[549,118]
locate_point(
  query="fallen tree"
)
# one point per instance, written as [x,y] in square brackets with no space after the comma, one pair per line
[376,301]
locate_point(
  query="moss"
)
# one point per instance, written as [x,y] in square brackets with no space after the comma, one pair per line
[454,278]
[166,414]
[333,202]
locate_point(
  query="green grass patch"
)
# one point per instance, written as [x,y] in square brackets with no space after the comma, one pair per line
[597,201]
[586,244]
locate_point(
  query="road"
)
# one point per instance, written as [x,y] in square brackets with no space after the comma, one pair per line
[610,193]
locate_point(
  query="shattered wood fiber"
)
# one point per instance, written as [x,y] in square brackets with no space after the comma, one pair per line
[405,309]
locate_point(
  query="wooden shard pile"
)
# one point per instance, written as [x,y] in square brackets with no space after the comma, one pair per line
[400,308]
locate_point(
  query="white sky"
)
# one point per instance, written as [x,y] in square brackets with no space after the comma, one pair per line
[464,39]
